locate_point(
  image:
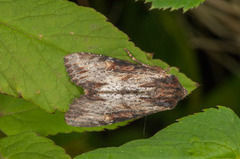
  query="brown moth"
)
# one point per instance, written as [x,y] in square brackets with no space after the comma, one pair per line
[117,90]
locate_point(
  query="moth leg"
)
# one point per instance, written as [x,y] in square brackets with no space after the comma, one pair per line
[134,58]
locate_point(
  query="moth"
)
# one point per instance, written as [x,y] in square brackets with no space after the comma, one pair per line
[117,90]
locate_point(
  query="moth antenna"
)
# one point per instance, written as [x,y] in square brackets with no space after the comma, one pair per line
[134,58]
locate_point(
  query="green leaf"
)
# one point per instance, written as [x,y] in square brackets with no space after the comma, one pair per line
[36,35]
[175,4]
[17,115]
[214,133]
[29,145]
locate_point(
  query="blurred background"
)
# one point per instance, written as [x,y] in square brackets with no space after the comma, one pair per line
[204,43]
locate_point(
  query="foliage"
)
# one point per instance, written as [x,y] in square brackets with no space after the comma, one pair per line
[36,91]
[174,4]
[190,137]
[29,145]
[34,46]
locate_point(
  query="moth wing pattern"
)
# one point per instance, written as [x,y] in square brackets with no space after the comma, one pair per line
[86,112]
[87,70]
[117,90]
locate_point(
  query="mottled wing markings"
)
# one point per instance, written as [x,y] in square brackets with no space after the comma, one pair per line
[117,90]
